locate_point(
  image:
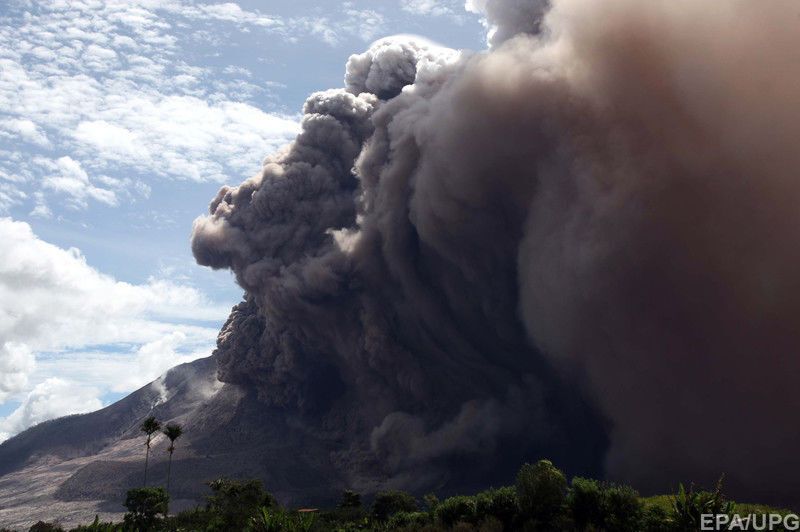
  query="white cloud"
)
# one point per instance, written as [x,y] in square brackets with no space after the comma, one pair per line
[103,83]
[16,363]
[52,398]
[71,179]
[10,195]
[153,359]
[449,8]
[26,130]
[55,306]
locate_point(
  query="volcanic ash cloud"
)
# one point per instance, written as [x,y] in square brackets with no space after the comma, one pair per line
[587,232]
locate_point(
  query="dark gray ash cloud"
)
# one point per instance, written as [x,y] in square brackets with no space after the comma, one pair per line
[589,231]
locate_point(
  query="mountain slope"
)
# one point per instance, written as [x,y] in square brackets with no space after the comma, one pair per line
[72,468]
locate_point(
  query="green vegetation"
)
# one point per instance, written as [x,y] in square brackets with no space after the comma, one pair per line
[540,499]
[147,507]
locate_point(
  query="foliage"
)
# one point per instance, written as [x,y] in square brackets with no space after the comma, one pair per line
[234,502]
[172,431]
[541,491]
[688,506]
[452,510]
[149,426]
[431,501]
[350,499]
[656,519]
[585,502]
[592,504]
[413,520]
[388,503]
[42,526]
[539,500]
[146,508]
[272,519]
[498,504]
[622,509]
[97,526]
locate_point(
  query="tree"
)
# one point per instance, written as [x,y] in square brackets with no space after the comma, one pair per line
[43,526]
[234,502]
[541,490]
[350,499]
[146,507]
[149,426]
[173,431]
[388,503]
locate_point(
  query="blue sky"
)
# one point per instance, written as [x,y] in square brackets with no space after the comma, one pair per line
[119,120]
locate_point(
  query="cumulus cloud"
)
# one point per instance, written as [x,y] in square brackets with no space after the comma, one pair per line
[17,362]
[102,82]
[586,232]
[71,179]
[432,7]
[26,130]
[52,398]
[54,306]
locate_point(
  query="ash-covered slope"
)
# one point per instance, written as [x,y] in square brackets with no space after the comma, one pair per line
[71,468]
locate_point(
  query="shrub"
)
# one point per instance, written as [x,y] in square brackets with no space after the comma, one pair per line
[585,502]
[431,501]
[146,508]
[688,506]
[604,506]
[456,509]
[541,491]
[388,503]
[491,524]
[194,519]
[412,520]
[500,504]
[656,519]
[622,509]
[271,519]
[350,499]
[42,526]
[97,526]
[234,502]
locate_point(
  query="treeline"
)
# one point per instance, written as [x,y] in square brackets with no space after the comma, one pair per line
[540,500]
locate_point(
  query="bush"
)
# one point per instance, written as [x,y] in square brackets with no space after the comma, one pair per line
[656,519]
[42,526]
[604,506]
[585,502]
[194,519]
[97,526]
[270,519]
[146,508]
[500,504]
[412,520]
[456,509]
[622,509]
[234,502]
[688,506]
[541,491]
[350,499]
[431,501]
[388,503]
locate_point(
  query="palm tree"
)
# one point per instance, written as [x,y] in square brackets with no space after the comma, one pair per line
[173,432]
[149,426]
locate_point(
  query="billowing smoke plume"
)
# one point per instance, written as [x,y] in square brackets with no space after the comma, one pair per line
[591,229]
